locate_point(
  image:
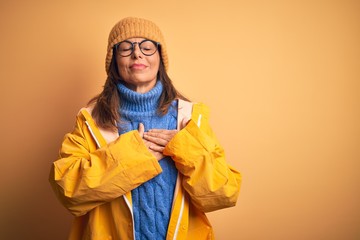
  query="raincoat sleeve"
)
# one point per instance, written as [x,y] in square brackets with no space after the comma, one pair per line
[85,176]
[210,182]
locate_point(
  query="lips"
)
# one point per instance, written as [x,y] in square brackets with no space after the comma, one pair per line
[138,66]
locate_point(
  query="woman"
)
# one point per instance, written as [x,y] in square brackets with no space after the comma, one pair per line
[142,162]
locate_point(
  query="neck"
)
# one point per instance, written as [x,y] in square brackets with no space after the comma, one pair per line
[141,88]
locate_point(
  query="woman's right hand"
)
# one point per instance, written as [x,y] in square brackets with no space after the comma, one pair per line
[150,145]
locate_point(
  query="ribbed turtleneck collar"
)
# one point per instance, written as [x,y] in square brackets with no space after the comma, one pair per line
[145,103]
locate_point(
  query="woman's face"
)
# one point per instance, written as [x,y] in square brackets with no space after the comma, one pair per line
[138,70]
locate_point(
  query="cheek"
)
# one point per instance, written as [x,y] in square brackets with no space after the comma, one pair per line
[156,64]
[121,65]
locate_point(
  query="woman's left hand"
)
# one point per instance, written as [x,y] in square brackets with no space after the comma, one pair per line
[160,138]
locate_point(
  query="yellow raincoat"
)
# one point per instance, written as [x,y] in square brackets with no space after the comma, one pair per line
[97,170]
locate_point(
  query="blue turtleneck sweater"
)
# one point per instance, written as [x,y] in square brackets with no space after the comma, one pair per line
[152,200]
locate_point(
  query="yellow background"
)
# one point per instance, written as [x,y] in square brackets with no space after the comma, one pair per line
[281,79]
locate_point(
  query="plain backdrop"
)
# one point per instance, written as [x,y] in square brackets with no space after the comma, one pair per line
[282,80]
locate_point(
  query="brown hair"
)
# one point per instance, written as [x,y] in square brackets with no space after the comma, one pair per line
[107,103]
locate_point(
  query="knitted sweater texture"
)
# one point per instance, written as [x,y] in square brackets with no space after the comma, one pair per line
[152,200]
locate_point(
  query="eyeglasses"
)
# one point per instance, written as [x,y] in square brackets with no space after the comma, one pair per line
[126,48]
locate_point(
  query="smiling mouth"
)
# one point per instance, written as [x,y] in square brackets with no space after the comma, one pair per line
[138,66]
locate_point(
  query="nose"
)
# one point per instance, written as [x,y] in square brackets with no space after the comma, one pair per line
[137,52]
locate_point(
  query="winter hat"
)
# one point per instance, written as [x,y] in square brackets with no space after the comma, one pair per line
[135,27]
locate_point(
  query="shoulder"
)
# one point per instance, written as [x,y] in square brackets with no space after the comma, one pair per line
[201,107]
[193,107]
[86,113]
[102,136]
[84,120]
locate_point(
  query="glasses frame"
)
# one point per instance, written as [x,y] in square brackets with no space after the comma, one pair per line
[157,44]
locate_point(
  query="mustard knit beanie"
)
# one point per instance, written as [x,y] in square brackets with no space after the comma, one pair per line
[135,27]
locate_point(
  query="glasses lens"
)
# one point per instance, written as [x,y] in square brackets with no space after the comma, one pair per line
[124,49]
[148,47]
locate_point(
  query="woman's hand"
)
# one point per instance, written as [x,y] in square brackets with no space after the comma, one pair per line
[159,138]
[158,154]
[156,139]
